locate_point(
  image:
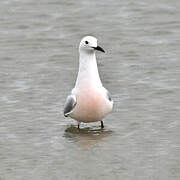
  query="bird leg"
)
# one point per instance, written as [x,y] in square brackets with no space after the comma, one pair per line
[102,125]
[78,125]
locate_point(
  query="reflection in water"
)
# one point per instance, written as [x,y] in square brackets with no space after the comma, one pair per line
[86,137]
[38,65]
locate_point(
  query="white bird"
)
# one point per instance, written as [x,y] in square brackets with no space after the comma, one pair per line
[89,101]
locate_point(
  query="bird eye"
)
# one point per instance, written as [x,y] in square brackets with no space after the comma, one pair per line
[86,42]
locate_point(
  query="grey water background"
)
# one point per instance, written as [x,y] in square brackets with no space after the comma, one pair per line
[141,68]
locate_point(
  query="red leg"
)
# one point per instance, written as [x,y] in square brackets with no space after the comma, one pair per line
[102,125]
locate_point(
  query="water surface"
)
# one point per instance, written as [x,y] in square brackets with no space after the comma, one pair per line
[141,68]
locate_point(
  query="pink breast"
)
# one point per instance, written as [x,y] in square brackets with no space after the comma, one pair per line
[89,106]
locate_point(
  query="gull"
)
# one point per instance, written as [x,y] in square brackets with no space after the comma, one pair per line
[88,101]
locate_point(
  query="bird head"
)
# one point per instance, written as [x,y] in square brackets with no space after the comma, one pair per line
[89,44]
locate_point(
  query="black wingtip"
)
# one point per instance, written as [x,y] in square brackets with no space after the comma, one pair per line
[65,115]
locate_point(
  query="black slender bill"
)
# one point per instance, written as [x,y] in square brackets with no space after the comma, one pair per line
[98,48]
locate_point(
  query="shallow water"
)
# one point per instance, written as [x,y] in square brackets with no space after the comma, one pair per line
[141,68]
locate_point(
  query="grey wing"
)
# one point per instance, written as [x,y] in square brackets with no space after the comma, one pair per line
[108,95]
[69,104]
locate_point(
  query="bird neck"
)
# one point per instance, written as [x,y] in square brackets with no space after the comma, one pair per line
[88,70]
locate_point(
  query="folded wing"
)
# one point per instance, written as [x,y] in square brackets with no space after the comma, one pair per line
[69,104]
